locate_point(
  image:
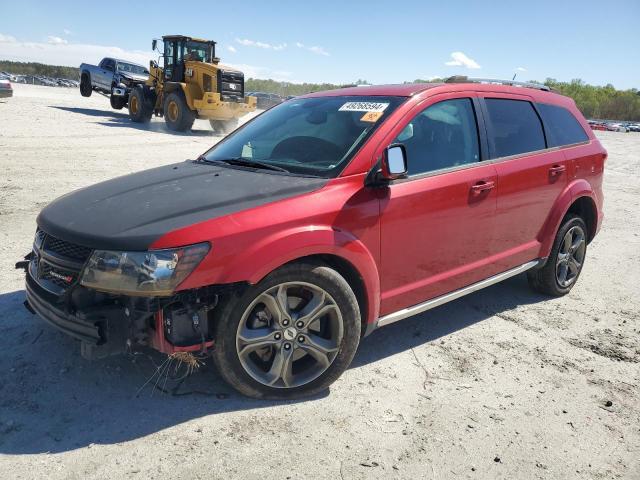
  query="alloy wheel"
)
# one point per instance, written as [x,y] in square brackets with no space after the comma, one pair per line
[570,256]
[289,335]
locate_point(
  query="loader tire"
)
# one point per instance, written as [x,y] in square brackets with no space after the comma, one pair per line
[177,114]
[140,107]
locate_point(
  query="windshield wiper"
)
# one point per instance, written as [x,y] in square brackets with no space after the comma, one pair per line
[244,162]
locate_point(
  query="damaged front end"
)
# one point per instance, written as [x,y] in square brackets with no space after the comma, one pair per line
[114,302]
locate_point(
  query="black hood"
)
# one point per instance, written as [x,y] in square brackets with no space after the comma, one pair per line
[131,212]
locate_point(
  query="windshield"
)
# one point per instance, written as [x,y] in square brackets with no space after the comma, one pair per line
[197,51]
[310,136]
[131,68]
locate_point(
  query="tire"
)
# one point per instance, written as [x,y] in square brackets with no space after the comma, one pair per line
[85,85]
[558,276]
[140,106]
[224,127]
[339,320]
[117,102]
[177,114]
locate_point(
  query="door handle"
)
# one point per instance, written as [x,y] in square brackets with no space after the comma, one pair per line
[482,186]
[557,170]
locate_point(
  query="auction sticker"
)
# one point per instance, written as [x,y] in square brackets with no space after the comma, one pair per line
[371,117]
[363,107]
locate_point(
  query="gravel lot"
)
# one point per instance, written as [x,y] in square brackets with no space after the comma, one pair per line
[501,384]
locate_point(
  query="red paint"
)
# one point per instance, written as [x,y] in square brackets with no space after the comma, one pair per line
[417,238]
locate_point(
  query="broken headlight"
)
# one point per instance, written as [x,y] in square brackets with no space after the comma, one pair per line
[153,273]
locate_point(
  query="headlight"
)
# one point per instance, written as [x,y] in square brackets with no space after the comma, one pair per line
[155,273]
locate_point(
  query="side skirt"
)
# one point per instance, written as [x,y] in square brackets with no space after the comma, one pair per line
[448,297]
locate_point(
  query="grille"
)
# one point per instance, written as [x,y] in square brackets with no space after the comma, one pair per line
[56,263]
[231,85]
[66,249]
[57,276]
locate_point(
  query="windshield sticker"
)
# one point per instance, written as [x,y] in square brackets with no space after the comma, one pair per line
[364,107]
[371,117]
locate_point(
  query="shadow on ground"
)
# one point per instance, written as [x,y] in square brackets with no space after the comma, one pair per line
[122,120]
[52,400]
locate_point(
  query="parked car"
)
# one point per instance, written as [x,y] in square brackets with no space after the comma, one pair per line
[616,127]
[596,125]
[6,90]
[320,221]
[266,100]
[633,127]
[114,77]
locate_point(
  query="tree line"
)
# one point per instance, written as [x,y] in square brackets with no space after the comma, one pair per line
[594,101]
[33,68]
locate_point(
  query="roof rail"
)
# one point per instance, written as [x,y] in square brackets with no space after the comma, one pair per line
[464,79]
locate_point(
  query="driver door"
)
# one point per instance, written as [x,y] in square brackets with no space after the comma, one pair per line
[437,225]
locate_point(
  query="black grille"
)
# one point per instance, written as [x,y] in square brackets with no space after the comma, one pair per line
[231,85]
[66,249]
[56,264]
[58,276]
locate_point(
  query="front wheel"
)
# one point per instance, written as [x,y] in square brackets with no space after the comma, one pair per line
[140,107]
[223,127]
[177,114]
[117,102]
[563,267]
[289,336]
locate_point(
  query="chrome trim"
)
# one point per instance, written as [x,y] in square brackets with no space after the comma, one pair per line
[447,297]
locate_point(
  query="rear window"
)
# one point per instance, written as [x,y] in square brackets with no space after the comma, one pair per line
[562,127]
[515,127]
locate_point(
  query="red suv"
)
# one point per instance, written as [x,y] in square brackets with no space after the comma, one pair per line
[320,220]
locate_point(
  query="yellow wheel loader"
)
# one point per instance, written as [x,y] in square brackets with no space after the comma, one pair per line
[190,84]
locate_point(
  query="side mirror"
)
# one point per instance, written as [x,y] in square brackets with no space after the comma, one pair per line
[154,44]
[394,162]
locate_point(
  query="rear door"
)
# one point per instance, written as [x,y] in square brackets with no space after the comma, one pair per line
[437,228]
[531,176]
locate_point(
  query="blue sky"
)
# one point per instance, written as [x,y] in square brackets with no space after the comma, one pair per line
[341,41]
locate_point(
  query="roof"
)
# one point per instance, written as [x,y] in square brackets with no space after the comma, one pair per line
[187,37]
[126,61]
[397,90]
[411,89]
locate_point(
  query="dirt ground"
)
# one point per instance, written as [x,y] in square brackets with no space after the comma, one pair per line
[501,384]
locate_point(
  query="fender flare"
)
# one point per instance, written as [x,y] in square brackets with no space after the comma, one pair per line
[283,247]
[573,191]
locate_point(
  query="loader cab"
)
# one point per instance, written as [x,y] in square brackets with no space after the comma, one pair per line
[179,49]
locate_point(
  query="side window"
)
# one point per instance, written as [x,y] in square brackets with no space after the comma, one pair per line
[562,126]
[443,135]
[109,65]
[515,127]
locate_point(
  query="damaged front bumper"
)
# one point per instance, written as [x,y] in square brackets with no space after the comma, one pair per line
[108,324]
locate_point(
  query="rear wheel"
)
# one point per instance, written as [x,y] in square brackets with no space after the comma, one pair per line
[140,107]
[177,114]
[565,262]
[289,336]
[85,85]
[223,127]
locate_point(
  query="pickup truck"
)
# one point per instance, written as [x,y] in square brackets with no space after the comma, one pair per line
[113,77]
